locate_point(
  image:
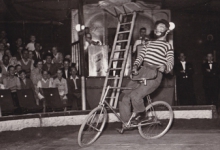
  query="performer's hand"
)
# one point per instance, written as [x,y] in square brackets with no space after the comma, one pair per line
[162,68]
[182,71]
[134,70]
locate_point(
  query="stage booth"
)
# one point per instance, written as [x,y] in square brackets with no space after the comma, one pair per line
[102,27]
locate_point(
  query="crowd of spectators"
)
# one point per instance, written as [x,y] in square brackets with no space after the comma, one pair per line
[28,66]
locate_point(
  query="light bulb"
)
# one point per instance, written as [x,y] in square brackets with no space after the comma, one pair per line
[172,26]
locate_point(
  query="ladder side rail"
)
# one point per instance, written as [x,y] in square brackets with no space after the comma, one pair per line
[126,56]
[111,57]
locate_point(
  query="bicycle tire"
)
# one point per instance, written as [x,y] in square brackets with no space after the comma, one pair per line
[89,121]
[153,112]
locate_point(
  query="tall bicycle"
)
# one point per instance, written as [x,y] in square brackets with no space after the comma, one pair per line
[159,119]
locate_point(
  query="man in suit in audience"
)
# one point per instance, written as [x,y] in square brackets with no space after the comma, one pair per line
[36,52]
[52,68]
[210,71]
[74,87]
[66,68]
[184,81]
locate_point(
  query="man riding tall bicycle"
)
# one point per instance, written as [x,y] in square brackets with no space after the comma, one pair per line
[157,57]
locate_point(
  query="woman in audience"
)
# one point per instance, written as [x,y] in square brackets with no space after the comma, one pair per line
[36,73]
[61,84]
[12,60]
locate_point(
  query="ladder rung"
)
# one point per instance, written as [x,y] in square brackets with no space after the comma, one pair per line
[121,41]
[122,88]
[125,23]
[121,50]
[115,69]
[117,59]
[114,78]
[110,97]
[124,32]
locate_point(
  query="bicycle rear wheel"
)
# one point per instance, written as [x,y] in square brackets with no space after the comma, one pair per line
[92,126]
[161,118]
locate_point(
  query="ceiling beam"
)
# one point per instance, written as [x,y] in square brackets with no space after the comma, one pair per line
[10,7]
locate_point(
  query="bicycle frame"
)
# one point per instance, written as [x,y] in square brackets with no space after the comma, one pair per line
[128,124]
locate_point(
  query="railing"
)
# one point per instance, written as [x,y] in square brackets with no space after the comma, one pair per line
[75,54]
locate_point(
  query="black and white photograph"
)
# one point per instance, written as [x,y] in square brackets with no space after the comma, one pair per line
[109,74]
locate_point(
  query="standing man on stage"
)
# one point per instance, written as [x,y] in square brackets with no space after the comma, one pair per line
[157,57]
[184,80]
[210,71]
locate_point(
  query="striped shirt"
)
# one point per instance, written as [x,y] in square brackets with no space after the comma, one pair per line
[157,53]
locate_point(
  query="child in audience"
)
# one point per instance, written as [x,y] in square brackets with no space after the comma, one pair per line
[30,46]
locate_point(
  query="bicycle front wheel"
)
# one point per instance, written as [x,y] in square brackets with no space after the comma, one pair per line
[92,126]
[160,116]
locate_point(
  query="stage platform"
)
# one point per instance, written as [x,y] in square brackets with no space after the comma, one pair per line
[54,119]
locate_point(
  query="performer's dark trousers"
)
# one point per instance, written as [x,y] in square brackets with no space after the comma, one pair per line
[138,92]
[211,96]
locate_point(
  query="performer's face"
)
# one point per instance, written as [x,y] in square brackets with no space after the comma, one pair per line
[182,57]
[160,30]
[209,57]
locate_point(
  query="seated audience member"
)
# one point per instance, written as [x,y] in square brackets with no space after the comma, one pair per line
[36,73]
[44,82]
[61,84]
[18,43]
[30,46]
[6,44]
[57,56]
[74,84]
[210,71]
[66,68]
[2,50]
[1,80]
[37,52]
[25,82]
[52,68]
[12,60]
[5,66]
[184,81]
[17,69]
[18,53]
[3,35]
[13,83]
[26,63]
[31,55]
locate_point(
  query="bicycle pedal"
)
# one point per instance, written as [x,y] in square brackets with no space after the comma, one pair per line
[121,131]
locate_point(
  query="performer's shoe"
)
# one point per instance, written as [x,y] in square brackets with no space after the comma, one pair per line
[141,116]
